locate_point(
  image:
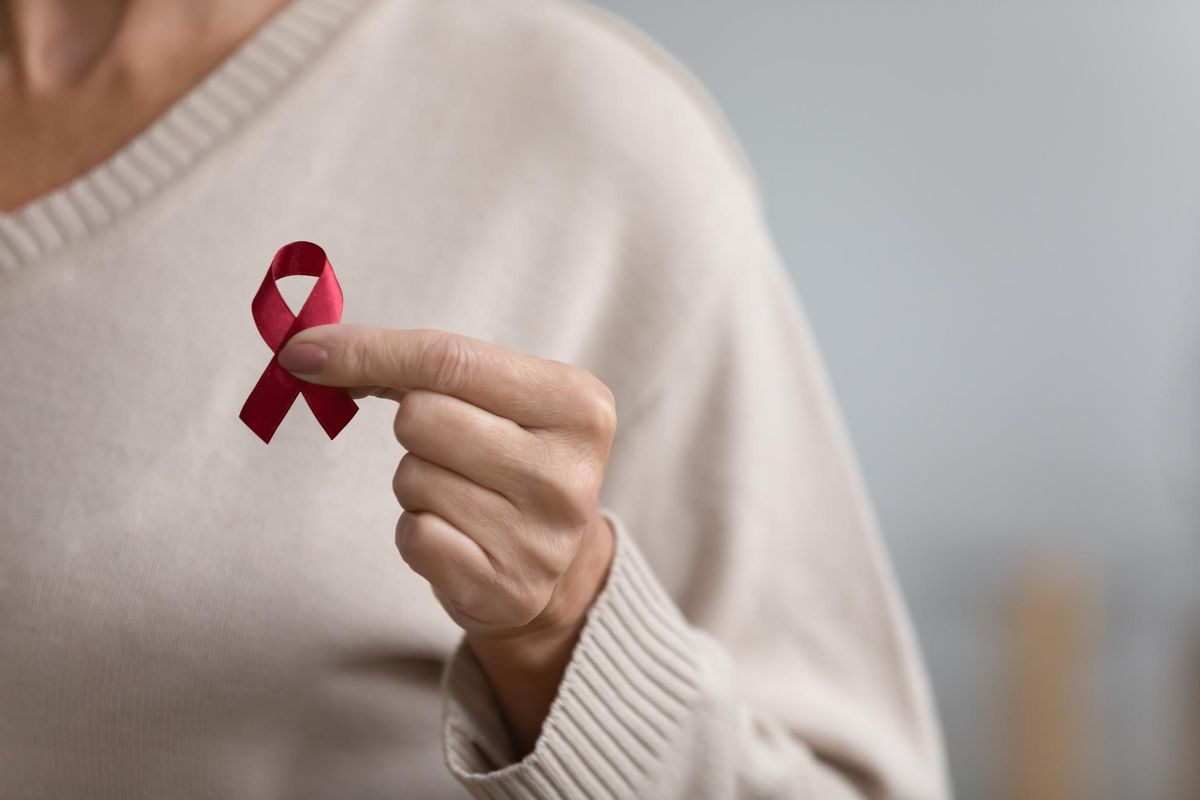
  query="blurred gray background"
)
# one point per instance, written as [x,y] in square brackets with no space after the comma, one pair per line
[992,215]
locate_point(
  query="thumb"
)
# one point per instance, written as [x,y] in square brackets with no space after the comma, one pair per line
[340,354]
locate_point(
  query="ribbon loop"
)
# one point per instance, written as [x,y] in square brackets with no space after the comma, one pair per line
[277,388]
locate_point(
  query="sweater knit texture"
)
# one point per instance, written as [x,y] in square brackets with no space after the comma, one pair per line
[186,612]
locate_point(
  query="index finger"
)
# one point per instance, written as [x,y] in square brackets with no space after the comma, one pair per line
[531,391]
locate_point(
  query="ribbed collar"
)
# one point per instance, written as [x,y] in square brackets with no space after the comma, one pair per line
[194,124]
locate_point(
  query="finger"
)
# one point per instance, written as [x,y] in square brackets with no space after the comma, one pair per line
[531,391]
[461,575]
[451,561]
[490,450]
[480,513]
[386,392]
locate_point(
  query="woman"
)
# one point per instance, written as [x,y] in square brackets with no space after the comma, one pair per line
[654,572]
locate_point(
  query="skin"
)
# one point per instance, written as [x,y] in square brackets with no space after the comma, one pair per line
[500,490]
[80,78]
[506,452]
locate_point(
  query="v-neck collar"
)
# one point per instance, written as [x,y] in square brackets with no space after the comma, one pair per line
[193,125]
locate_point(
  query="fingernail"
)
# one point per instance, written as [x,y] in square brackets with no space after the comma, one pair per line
[306,358]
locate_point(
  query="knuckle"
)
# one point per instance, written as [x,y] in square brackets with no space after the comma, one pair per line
[404,480]
[404,528]
[364,353]
[600,407]
[571,495]
[594,404]
[517,592]
[542,559]
[407,534]
[532,469]
[414,540]
[449,360]
[414,412]
[564,484]
[555,556]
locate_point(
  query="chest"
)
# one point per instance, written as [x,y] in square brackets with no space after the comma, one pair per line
[153,551]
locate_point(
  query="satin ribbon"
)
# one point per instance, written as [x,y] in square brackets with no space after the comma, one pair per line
[277,388]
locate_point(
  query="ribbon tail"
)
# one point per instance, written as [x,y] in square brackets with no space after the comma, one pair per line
[270,400]
[332,406]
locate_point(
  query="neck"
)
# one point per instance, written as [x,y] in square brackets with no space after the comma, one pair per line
[48,46]
[80,78]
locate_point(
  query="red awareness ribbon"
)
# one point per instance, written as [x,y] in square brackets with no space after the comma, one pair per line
[276,390]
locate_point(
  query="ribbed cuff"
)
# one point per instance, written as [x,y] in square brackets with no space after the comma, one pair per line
[626,694]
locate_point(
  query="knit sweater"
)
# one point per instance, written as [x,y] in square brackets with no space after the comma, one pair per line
[186,612]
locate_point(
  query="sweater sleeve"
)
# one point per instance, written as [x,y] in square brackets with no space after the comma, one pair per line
[751,641]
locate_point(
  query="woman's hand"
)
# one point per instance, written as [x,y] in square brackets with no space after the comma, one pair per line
[500,489]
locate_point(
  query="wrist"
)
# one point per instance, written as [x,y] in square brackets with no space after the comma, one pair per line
[526,665]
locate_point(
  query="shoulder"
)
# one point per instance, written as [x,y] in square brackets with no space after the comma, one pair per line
[568,80]
[561,127]
[635,94]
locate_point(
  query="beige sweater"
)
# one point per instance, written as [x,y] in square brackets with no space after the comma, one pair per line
[186,612]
